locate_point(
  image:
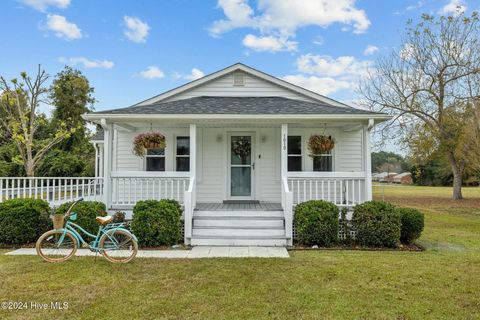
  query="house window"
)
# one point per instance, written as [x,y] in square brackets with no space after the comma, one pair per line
[294,150]
[323,162]
[155,160]
[182,159]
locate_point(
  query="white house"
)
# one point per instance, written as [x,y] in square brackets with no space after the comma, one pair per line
[230,199]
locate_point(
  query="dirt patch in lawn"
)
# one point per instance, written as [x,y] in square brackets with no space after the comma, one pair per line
[433,202]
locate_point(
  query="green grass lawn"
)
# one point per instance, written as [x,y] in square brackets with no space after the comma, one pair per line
[441,283]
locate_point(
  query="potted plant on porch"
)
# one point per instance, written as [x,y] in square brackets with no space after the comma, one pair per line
[148,140]
[320,144]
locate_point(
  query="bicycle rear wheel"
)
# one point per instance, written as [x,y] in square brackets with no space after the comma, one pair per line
[52,248]
[118,246]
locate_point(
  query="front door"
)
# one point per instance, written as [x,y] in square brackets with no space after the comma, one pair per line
[241,166]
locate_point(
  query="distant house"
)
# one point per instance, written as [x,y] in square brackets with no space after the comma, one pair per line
[403,178]
[384,176]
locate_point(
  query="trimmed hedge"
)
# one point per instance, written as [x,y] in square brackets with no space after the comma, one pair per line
[412,224]
[22,221]
[377,224]
[86,213]
[157,222]
[316,223]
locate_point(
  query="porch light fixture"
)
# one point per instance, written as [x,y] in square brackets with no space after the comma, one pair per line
[219,138]
[263,138]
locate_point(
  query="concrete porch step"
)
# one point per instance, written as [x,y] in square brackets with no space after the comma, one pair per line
[239,214]
[238,232]
[232,222]
[239,241]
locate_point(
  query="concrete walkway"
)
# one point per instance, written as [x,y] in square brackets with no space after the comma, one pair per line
[195,252]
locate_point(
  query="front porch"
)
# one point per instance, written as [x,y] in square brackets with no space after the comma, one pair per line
[271,174]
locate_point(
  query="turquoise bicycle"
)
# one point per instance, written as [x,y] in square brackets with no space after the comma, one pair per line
[113,240]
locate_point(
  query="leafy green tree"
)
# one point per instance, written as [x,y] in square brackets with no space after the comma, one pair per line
[21,120]
[431,86]
[72,96]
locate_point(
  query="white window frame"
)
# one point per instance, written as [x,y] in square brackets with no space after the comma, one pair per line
[181,156]
[331,155]
[155,156]
[296,155]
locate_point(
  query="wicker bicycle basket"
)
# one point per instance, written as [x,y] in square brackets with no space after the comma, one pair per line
[58,221]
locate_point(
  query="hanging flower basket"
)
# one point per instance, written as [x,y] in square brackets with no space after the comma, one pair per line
[241,147]
[320,144]
[149,140]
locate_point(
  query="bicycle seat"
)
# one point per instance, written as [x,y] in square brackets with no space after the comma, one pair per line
[104,220]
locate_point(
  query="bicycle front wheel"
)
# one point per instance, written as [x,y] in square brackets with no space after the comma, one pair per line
[52,247]
[118,246]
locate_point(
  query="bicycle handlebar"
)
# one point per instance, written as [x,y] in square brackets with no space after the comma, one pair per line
[67,214]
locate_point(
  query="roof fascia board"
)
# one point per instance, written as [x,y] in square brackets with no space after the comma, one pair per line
[148,117]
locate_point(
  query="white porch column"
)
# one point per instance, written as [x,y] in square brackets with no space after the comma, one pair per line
[97,163]
[193,158]
[190,198]
[368,160]
[283,159]
[107,163]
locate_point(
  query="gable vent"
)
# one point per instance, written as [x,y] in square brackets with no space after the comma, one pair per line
[238,78]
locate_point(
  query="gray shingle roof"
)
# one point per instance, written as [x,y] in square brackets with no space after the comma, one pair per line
[237,105]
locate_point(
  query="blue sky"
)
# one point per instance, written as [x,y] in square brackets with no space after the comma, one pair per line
[132,50]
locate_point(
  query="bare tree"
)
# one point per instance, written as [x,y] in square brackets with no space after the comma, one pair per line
[432,87]
[19,117]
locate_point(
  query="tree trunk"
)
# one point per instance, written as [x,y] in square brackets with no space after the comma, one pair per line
[29,169]
[457,178]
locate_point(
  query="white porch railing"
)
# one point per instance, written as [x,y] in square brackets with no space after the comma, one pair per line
[128,188]
[342,188]
[51,189]
[287,205]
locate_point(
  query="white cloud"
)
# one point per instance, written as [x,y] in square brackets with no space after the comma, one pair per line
[87,63]
[42,5]
[63,28]
[136,29]
[195,74]
[326,75]
[288,15]
[238,14]
[345,66]
[281,19]
[369,50]
[453,7]
[415,6]
[152,72]
[321,85]
[269,43]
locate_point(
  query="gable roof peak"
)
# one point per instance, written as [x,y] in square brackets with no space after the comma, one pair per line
[247,69]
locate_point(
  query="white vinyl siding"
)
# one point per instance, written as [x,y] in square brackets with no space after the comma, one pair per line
[212,144]
[253,87]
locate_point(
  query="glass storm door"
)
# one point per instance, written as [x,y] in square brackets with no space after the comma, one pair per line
[241,166]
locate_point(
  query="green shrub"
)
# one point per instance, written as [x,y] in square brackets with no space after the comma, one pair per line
[157,223]
[22,221]
[86,213]
[377,224]
[412,224]
[316,222]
